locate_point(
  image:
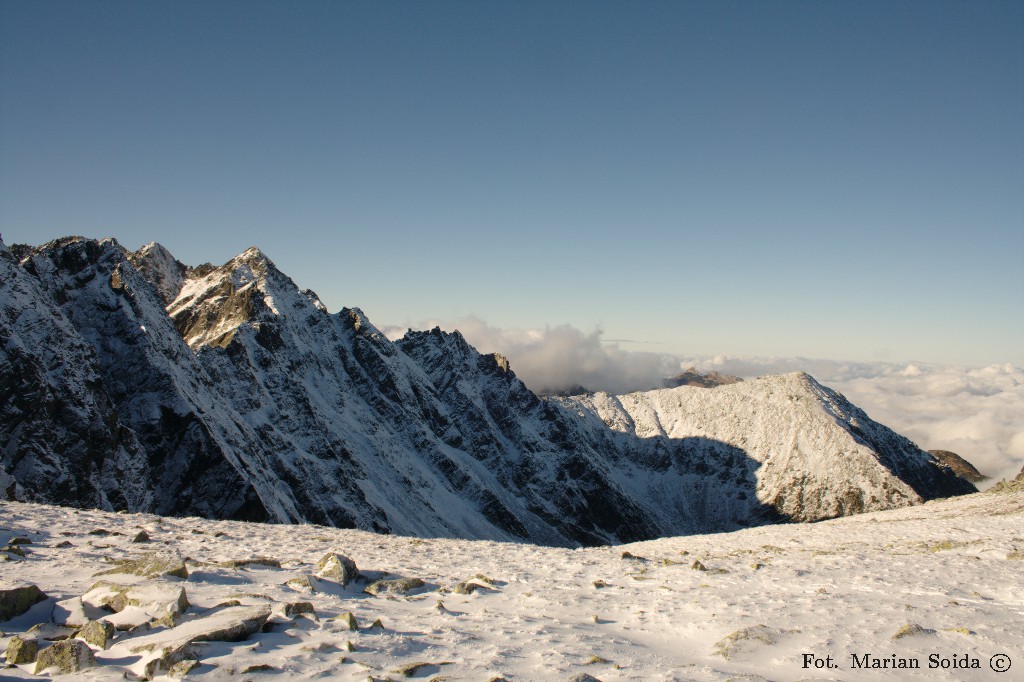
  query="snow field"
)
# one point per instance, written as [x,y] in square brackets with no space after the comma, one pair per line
[831,589]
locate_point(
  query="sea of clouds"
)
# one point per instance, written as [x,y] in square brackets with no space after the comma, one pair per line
[975,412]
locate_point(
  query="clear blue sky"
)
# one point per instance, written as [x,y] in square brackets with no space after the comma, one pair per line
[827,179]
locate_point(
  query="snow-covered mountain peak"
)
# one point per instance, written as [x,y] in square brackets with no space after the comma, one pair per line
[214,301]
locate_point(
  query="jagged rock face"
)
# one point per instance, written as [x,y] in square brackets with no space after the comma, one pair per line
[691,377]
[239,395]
[161,269]
[61,438]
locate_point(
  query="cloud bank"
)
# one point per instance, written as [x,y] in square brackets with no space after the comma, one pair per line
[557,358]
[975,412]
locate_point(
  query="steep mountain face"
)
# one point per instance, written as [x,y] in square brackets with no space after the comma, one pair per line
[190,446]
[228,392]
[59,430]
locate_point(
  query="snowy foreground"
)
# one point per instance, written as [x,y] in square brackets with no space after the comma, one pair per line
[771,602]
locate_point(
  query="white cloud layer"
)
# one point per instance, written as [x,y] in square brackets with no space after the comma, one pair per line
[975,412]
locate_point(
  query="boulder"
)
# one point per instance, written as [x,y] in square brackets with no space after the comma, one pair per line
[68,656]
[96,632]
[16,601]
[337,567]
[20,651]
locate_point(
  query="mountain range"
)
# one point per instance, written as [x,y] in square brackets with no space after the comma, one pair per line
[130,381]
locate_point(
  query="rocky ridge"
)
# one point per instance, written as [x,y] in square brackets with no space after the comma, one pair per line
[228,392]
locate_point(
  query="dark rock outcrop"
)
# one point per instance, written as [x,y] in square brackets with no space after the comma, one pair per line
[960,466]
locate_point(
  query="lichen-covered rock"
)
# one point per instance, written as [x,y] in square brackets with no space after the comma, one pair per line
[348,620]
[337,567]
[395,586]
[911,629]
[68,656]
[151,565]
[21,651]
[182,668]
[16,601]
[96,632]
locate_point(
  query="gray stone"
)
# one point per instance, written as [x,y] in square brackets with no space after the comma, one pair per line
[303,583]
[159,597]
[337,567]
[169,647]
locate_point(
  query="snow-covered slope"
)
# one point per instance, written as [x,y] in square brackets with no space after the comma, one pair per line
[247,399]
[942,579]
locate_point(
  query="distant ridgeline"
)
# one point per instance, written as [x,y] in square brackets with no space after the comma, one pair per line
[131,381]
